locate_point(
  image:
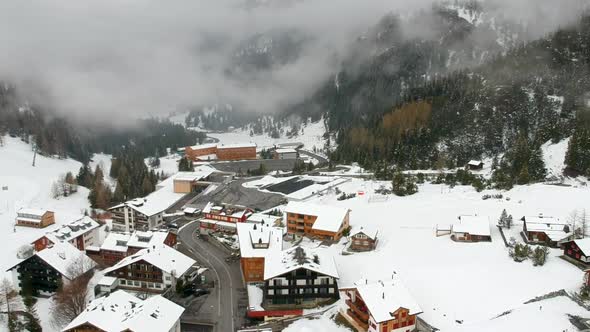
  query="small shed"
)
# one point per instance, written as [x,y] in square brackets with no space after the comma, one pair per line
[474,165]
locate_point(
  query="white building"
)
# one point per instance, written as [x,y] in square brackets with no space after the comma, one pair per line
[256,242]
[121,311]
[80,233]
[285,154]
[153,269]
[471,229]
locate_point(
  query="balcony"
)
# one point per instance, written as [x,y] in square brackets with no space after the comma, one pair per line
[364,325]
[357,311]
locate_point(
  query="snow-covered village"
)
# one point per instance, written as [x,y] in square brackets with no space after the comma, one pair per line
[253,166]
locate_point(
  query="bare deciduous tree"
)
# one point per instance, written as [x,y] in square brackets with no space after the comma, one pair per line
[72,297]
[9,303]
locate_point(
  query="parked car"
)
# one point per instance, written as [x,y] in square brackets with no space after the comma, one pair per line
[173,225]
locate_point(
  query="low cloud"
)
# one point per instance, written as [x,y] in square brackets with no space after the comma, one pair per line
[147,57]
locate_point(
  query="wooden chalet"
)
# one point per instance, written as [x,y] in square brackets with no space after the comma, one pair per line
[299,278]
[471,229]
[546,230]
[380,306]
[578,250]
[363,238]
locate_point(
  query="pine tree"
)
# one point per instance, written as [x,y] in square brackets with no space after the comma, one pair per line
[146,186]
[503,218]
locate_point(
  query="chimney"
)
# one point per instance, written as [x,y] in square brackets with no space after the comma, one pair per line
[383,296]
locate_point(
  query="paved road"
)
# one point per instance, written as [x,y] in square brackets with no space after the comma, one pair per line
[229,288]
[244,165]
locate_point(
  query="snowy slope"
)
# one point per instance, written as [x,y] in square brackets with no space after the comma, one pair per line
[29,186]
[312,136]
[445,277]
[554,157]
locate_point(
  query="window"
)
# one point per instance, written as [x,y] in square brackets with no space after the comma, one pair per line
[122,281]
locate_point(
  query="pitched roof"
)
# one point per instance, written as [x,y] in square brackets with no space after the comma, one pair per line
[369,231]
[385,297]
[279,263]
[551,226]
[269,238]
[73,230]
[121,311]
[122,241]
[474,225]
[584,245]
[329,218]
[475,162]
[62,256]
[32,211]
[161,256]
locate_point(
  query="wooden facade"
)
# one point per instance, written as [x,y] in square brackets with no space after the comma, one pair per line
[236,153]
[43,278]
[107,258]
[302,224]
[35,220]
[362,319]
[194,152]
[299,288]
[362,242]
[572,250]
[252,268]
[466,237]
[141,276]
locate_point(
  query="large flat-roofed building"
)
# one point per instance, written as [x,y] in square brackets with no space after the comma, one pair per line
[214,151]
[318,221]
[37,218]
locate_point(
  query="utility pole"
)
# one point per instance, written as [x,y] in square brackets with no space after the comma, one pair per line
[34,153]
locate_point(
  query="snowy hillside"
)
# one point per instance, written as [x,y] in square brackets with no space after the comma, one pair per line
[22,185]
[311,135]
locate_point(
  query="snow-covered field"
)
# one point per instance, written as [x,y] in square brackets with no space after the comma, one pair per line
[22,185]
[312,136]
[468,282]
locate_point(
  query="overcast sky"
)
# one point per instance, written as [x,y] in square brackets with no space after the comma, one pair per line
[151,57]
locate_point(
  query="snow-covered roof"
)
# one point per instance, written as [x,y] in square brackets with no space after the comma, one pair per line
[121,311]
[199,173]
[73,229]
[474,225]
[369,231]
[329,218]
[191,210]
[121,241]
[279,151]
[264,218]
[66,259]
[584,245]
[383,298]
[551,226]
[161,256]
[237,145]
[32,211]
[204,146]
[257,239]
[107,281]
[164,197]
[227,210]
[475,162]
[278,263]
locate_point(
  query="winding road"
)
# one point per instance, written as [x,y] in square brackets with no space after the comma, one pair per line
[229,290]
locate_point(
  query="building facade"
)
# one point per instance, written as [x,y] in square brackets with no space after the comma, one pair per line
[578,250]
[363,239]
[380,306]
[284,154]
[301,278]
[321,222]
[36,218]
[81,233]
[546,230]
[236,152]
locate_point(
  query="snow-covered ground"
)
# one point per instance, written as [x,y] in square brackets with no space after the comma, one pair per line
[469,282]
[22,185]
[312,136]
[104,161]
[168,164]
[554,156]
